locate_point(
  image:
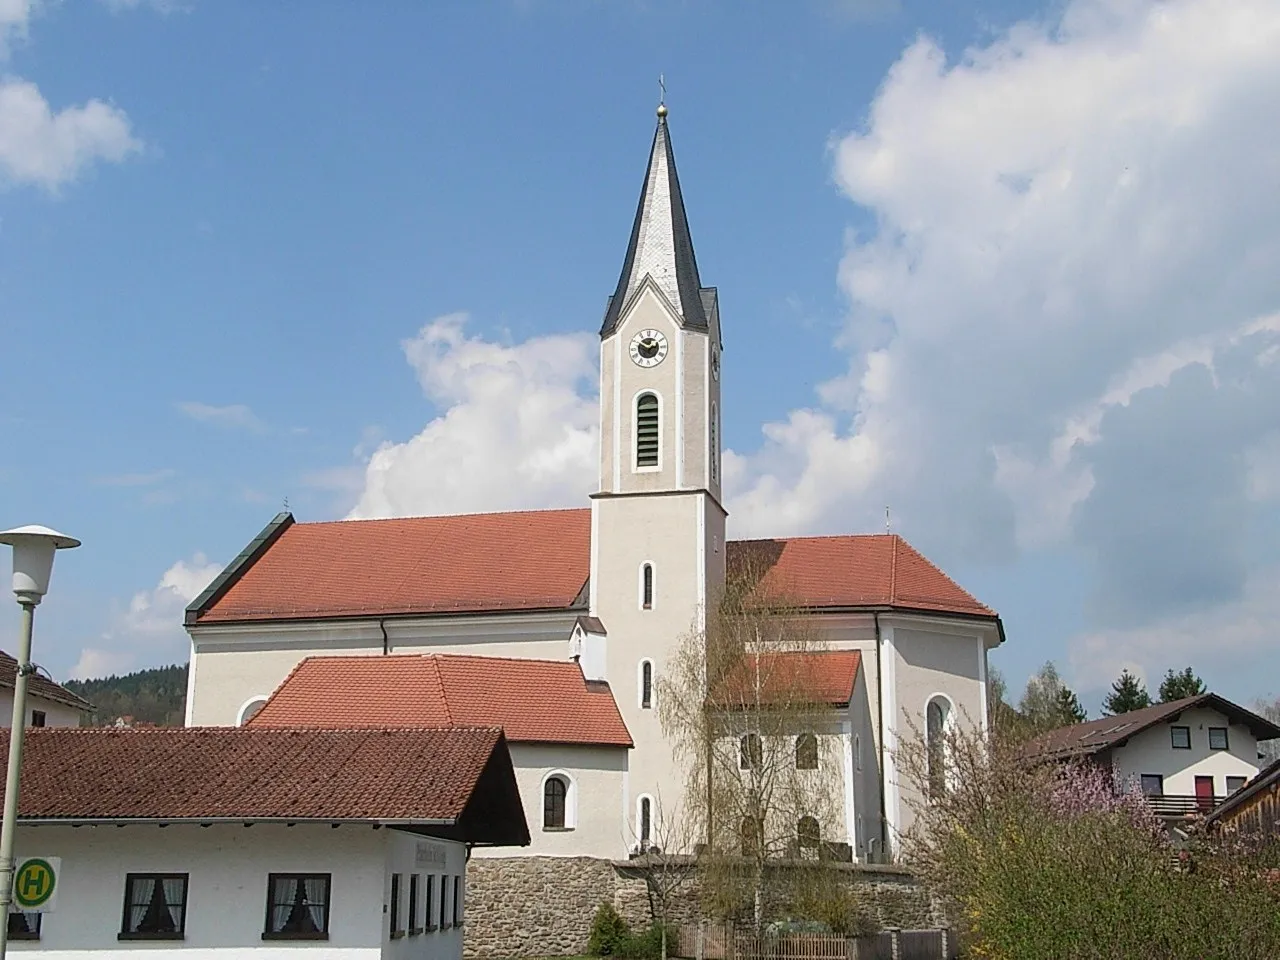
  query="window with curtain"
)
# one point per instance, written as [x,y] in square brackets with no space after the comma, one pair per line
[936,746]
[806,752]
[647,441]
[429,911]
[457,901]
[23,926]
[809,836]
[555,793]
[396,929]
[646,685]
[297,906]
[646,587]
[750,752]
[155,906]
[414,927]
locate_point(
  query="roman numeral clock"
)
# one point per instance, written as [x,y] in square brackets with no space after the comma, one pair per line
[648,348]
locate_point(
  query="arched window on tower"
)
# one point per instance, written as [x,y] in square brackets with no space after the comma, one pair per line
[647,433]
[936,715]
[646,822]
[806,752]
[646,587]
[714,453]
[555,793]
[809,837]
[646,685]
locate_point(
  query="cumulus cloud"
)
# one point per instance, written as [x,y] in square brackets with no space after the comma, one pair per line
[515,427]
[15,18]
[148,631]
[233,415]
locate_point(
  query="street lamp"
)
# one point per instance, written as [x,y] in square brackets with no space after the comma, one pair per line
[33,549]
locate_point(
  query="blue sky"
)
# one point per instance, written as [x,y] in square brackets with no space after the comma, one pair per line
[1007,268]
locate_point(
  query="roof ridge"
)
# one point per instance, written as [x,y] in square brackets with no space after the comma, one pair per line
[893,567]
[815,536]
[439,516]
[434,665]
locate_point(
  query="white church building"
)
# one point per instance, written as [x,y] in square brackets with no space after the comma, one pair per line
[557,624]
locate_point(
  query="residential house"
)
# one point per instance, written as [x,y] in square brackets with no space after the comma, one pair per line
[1255,808]
[1185,755]
[48,704]
[259,842]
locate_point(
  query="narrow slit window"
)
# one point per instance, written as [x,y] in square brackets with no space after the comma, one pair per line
[713,453]
[414,926]
[646,821]
[647,440]
[646,685]
[646,587]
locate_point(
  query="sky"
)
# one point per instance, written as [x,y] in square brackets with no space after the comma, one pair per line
[1010,270]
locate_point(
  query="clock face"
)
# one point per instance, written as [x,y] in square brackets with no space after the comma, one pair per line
[648,348]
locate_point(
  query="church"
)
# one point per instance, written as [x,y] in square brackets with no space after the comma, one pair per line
[557,624]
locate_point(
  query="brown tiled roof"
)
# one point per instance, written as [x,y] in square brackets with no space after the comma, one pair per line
[1095,736]
[535,560]
[1268,778]
[39,686]
[403,776]
[533,701]
[814,677]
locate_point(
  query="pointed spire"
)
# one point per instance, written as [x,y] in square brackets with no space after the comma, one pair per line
[660,246]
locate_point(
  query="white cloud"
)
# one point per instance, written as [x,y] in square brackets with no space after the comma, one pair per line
[515,428]
[234,415]
[42,148]
[149,632]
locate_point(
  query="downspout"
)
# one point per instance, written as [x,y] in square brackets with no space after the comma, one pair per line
[880,732]
[386,643]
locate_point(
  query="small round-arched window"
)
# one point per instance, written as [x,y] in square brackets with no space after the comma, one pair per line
[555,793]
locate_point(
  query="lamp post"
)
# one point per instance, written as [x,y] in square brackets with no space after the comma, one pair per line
[33,549]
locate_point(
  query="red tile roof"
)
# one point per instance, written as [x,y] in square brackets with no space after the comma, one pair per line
[815,677]
[40,686]
[462,778]
[536,560]
[533,701]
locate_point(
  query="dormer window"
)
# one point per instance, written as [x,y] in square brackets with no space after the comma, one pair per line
[647,434]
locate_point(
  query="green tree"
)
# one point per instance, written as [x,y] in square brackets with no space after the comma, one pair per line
[1047,703]
[1127,693]
[1175,686]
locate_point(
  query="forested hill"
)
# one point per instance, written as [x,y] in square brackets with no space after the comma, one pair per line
[149,696]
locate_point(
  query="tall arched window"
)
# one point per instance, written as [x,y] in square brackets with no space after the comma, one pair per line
[751,752]
[646,821]
[806,752]
[935,716]
[714,452]
[808,836]
[555,793]
[646,587]
[647,436]
[751,832]
[646,684]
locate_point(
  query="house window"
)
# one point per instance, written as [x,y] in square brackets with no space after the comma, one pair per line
[646,821]
[646,587]
[155,906]
[297,906]
[806,752]
[457,901]
[428,911]
[647,430]
[936,748]
[396,929]
[23,926]
[751,752]
[1235,783]
[1153,785]
[414,927]
[37,718]
[554,794]
[808,835]
[1218,738]
[1181,737]
[646,685]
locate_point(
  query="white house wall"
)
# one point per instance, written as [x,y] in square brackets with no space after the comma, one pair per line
[228,865]
[1152,752]
[595,825]
[55,714]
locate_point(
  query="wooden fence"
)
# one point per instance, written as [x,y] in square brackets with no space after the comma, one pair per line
[708,941]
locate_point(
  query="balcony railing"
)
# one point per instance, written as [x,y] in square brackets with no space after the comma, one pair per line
[1181,804]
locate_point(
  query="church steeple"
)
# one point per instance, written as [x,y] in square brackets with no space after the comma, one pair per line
[661,246]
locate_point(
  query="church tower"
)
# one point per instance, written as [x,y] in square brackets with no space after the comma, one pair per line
[657,534]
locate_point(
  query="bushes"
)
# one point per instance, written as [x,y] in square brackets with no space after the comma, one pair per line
[612,937]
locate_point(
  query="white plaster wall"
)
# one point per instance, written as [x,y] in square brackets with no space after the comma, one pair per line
[233,664]
[596,775]
[1152,752]
[56,714]
[403,851]
[226,895]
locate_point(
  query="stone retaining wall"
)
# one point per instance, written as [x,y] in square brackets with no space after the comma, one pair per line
[543,906]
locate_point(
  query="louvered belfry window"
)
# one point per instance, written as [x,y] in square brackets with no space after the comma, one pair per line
[647,430]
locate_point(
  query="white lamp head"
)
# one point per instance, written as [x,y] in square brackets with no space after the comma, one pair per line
[33,548]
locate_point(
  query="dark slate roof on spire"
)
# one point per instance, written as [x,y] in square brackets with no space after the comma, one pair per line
[660,243]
